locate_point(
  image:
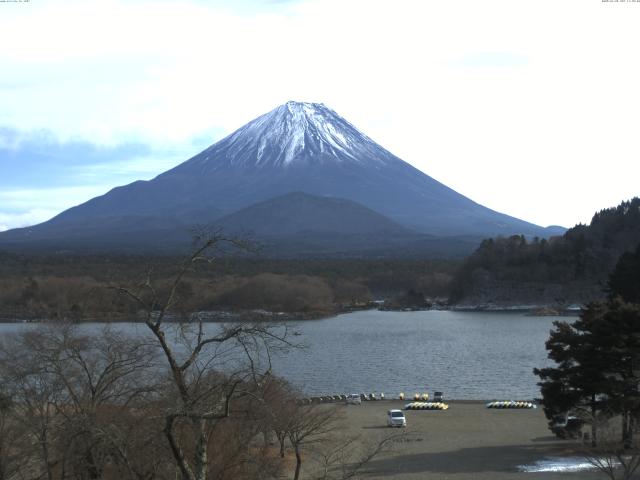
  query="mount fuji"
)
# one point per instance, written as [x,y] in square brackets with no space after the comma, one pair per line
[297,147]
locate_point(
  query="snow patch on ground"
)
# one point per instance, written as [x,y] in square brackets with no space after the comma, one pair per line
[561,464]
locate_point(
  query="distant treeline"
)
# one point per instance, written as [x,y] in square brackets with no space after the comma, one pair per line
[83,287]
[572,268]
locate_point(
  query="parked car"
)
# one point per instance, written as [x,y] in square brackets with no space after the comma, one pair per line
[438,397]
[396,418]
[566,426]
[354,399]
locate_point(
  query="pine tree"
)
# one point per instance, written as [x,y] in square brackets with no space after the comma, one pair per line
[598,356]
[578,381]
[624,280]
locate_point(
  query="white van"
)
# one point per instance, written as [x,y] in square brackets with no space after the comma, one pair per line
[396,418]
[354,399]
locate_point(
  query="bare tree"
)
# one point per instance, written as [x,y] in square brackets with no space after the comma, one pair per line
[345,458]
[105,376]
[35,392]
[209,368]
[613,457]
[77,394]
[279,404]
[13,440]
[310,425]
[314,433]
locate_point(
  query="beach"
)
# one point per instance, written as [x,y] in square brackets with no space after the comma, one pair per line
[467,441]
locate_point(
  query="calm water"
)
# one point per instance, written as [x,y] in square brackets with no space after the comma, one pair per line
[468,355]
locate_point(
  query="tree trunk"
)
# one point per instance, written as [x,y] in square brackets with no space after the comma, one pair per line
[45,451]
[594,422]
[202,461]
[92,468]
[296,475]
[178,455]
[625,429]
[282,438]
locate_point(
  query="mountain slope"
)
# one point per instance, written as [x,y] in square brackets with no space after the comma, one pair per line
[300,213]
[296,147]
[302,225]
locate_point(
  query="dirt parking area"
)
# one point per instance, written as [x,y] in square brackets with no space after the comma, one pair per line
[466,442]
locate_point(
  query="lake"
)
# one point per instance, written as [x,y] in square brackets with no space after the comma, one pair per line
[467,355]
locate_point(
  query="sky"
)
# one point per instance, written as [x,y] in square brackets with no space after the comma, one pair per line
[531,108]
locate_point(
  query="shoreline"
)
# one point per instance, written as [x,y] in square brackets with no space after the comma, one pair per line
[261,315]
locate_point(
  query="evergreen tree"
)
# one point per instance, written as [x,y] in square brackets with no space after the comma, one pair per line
[578,381]
[598,356]
[618,331]
[624,281]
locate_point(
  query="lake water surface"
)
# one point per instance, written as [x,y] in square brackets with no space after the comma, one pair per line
[467,355]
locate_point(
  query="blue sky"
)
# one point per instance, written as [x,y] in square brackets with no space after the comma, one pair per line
[43,176]
[528,107]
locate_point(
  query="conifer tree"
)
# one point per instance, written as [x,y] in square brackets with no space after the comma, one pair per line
[598,356]
[624,280]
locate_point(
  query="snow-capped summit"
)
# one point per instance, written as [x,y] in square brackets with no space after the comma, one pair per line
[296,132]
[297,147]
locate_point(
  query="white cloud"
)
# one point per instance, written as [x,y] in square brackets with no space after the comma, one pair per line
[527,107]
[24,219]
[24,207]
[136,168]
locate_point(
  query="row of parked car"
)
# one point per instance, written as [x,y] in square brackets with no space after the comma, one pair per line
[358,398]
[395,417]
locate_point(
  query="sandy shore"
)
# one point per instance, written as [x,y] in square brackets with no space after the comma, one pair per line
[468,441]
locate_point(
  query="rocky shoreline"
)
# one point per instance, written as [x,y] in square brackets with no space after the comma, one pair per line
[261,315]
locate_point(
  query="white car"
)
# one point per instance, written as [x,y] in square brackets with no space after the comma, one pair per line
[396,418]
[354,399]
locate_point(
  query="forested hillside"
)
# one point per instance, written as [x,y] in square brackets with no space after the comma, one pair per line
[78,286]
[569,269]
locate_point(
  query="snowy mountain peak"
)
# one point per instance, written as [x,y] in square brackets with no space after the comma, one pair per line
[297,147]
[295,133]
[292,105]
